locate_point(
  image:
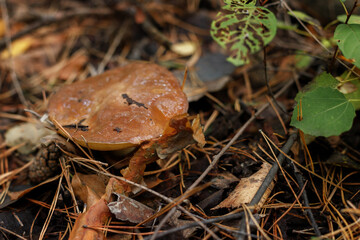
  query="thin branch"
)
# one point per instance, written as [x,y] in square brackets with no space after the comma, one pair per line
[267,181]
[308,211]
[194,224]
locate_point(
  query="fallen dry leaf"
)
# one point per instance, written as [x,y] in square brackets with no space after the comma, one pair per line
[95,216]
[89,188]
[127,209]
[198,133]
[174,220]
[223,180]
[18,47]
[246,189]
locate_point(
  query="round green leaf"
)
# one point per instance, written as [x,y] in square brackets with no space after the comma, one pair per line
[325,112]
[323,80]
[354,19]
[348,40]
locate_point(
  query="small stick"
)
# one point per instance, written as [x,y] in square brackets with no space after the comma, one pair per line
[267,181]
[194,224]
[308,211]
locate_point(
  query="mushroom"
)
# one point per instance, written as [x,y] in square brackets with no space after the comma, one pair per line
[138,105]
[120,108]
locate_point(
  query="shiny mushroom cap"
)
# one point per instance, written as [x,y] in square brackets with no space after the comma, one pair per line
[120,108]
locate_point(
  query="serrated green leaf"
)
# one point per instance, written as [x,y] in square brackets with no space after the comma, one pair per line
[240,2]
[354,19]
[243,30]
[325,112]
[348,40]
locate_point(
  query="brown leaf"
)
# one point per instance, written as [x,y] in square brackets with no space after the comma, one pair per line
[89,188]
[127,209]
[177,135]
[174,219]
[246,189]
[198,134]
[94,217]
[223,180]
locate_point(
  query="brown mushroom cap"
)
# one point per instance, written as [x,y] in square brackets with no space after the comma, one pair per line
[120,108]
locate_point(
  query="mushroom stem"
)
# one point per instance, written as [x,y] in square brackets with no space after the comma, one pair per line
[178,134]
[135,171]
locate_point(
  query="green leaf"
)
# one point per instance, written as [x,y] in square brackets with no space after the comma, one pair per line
[325,112]
[286,26]
[323,80]
[353,95]
[243,30]
[354,19]
[240,2]
[305,18]
[302,61]
[348,36]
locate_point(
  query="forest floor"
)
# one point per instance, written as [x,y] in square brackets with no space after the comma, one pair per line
[231,188]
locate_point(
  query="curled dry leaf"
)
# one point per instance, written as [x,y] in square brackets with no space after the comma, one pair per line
[198,133]
[127,209]
[246,189]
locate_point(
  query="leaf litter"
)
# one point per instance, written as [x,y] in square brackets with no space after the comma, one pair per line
[194,190]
